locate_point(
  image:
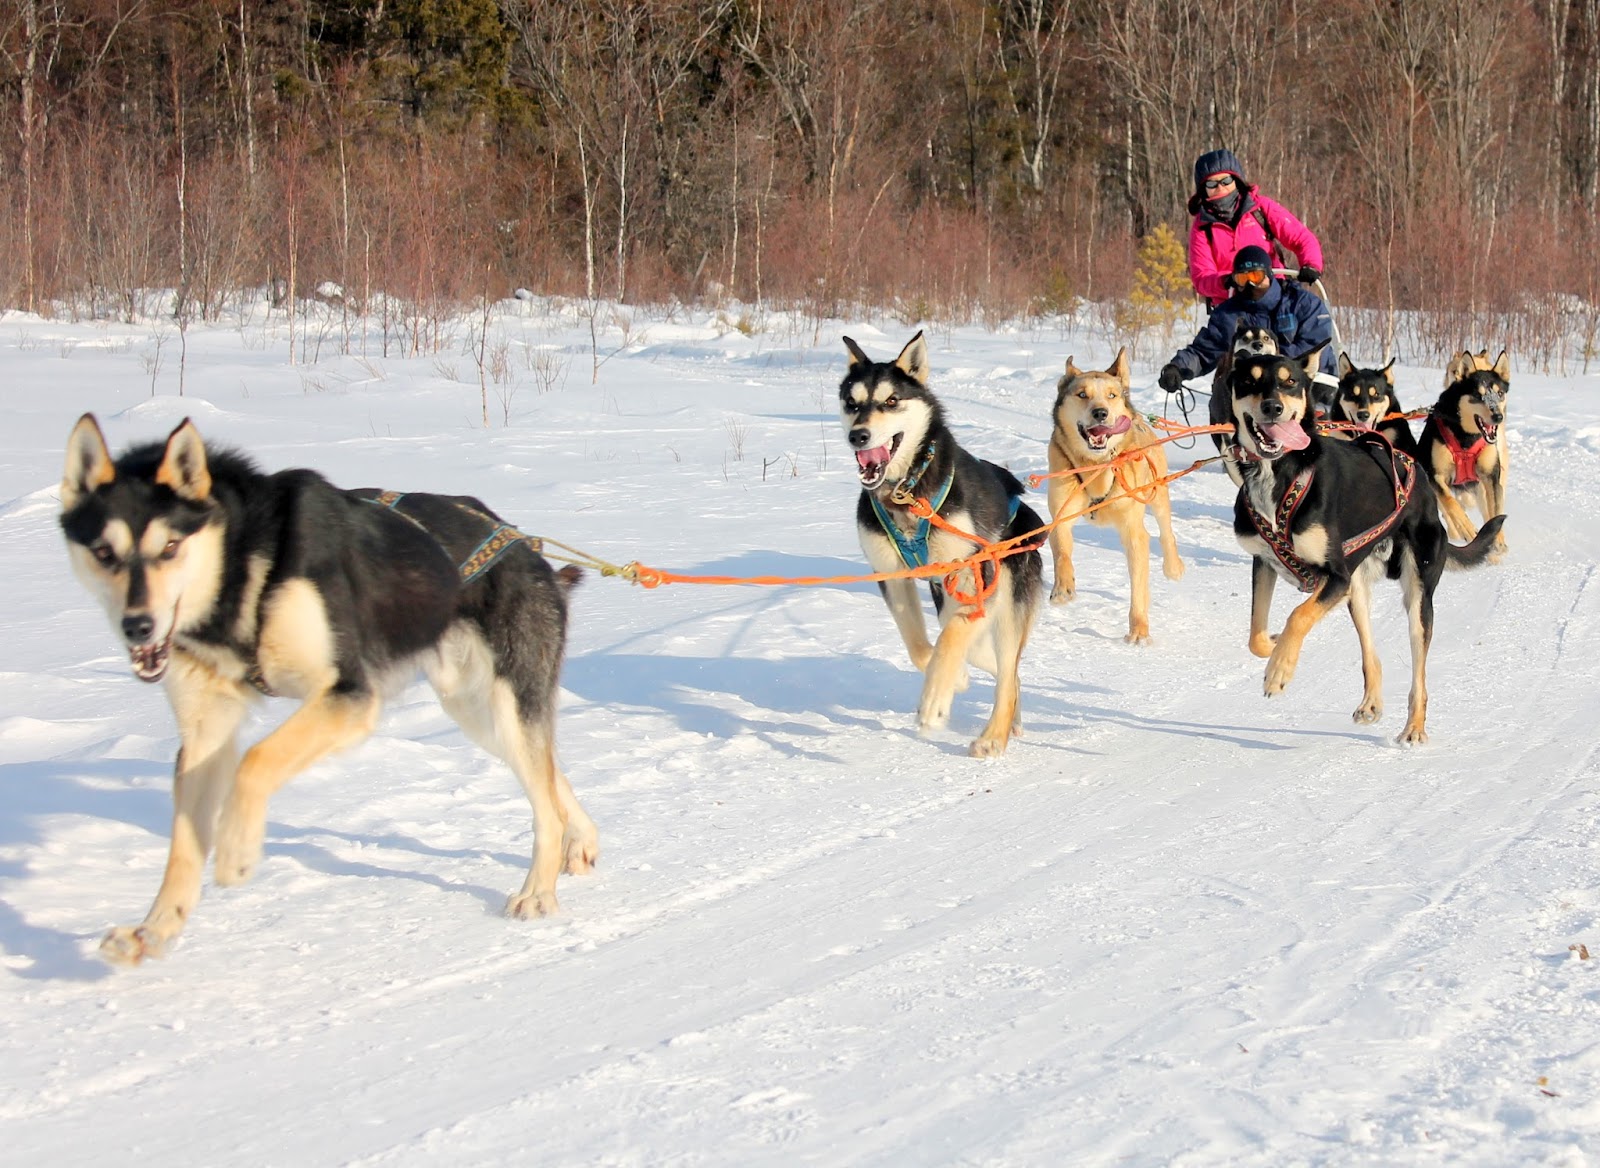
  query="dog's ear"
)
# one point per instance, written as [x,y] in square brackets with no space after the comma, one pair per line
[1346,366]
[1312,361]
[89,464]
[183,464]
[1457,368]
[1388,372]
[1072,369]
[1120,369]
[913,359]
[1502,365]
[857,357]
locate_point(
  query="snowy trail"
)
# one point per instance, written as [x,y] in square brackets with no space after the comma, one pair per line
[1177,924]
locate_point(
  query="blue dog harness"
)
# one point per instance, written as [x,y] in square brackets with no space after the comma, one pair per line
[913,548]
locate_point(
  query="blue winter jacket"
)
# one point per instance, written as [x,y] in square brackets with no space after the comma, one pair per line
[1295,313]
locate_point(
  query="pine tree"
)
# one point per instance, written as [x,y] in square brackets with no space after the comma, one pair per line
[1161,292]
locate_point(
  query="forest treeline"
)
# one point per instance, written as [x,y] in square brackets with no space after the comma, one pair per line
[952,158]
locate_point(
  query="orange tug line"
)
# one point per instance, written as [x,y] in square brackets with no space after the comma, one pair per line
[987,552]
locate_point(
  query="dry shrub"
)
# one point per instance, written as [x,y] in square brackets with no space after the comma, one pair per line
[416,228]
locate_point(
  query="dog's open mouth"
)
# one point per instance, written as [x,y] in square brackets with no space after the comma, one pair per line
[1489,430]
[1097,436]
[149,658]
[873,464]
[150,661]
[1273,439]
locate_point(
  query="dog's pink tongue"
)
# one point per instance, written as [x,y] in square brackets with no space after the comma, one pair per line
[1120,426]
[877,456]
[1289,435]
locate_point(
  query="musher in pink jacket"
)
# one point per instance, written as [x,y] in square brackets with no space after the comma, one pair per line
[1229,214]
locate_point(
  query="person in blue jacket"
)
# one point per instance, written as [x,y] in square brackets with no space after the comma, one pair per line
[1294,313]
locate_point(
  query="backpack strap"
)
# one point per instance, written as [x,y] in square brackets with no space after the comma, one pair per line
[1273,245]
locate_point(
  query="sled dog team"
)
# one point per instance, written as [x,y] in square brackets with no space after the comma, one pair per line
[229,583]
[1327,515]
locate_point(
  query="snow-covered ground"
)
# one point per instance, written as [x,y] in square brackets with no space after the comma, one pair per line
[1177,924]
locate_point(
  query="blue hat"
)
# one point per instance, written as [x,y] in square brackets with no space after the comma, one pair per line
[1252,259]
[1217,162]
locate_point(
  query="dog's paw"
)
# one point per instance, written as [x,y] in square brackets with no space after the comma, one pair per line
[529,906]
[1280,672]
[1062,594]
[1138,635]
[1415,734]
[131,944]
[239,839]
[987,747]
[934,710]
[578,855]
[1173,569]
[1370,710]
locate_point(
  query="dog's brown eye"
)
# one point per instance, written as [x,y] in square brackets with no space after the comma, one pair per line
[170,550]
[103,554]
[892,400]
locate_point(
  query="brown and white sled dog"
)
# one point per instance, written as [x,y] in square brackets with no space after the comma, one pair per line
[1333,517]
[1463,444]
[228,583]
[904,450]
[1094,424]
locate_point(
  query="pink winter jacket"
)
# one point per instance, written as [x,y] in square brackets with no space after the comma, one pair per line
[1211,253]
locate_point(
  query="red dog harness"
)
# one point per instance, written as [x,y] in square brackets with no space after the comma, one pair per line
[1403,472]
[1466,458]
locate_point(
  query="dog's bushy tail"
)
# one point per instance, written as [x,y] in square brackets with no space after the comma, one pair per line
[568,577]
[1472,554]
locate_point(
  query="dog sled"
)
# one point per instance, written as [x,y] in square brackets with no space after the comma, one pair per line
[1193,385]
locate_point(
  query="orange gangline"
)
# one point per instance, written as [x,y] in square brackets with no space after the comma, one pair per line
[988,552]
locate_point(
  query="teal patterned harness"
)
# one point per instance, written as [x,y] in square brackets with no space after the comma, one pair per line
[494,545]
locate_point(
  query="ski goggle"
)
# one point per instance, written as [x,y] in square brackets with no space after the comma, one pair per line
[1251,276]
[1212,184]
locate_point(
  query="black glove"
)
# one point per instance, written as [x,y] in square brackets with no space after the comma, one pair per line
[1309,275]
[1170,378]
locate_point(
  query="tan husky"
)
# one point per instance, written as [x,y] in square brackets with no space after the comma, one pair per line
[1093,424]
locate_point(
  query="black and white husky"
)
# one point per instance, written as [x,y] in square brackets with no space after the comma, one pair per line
[228,584]
[904,451]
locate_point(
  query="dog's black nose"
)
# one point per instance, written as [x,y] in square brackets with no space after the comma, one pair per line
[1100,413]
[137,627]
[859,437]
[1271,409]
